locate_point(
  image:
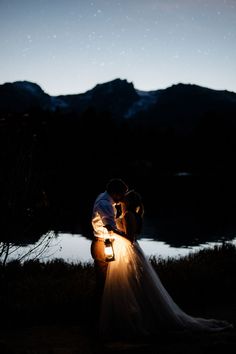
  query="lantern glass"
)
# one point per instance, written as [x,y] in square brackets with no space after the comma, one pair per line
[109,252]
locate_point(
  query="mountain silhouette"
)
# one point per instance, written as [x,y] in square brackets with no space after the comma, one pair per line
[178,106]
[23,96]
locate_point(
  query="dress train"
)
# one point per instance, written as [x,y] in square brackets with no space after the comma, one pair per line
[135,303]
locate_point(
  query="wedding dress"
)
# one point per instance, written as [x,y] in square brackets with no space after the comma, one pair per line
[135,303]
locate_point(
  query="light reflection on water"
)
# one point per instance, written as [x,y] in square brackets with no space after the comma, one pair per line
[76,248]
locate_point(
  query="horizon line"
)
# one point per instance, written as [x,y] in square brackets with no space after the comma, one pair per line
[112,80]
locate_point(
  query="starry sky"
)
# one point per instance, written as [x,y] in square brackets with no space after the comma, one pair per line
[69,46]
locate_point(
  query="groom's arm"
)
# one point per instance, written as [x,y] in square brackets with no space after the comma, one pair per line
[107,215]
[115,230]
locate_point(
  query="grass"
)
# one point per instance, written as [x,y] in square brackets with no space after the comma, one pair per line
[205,277]
[54,300]
[34,292]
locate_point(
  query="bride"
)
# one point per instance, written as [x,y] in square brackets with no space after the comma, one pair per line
[135,303]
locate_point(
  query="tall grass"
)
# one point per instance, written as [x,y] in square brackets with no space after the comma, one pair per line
[207,277]
[36,292]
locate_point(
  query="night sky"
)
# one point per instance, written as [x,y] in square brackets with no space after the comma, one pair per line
[68,46]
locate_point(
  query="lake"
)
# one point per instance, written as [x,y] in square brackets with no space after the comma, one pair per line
[76,248]
[187,215]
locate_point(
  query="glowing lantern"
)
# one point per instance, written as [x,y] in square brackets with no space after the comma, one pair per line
[109,252]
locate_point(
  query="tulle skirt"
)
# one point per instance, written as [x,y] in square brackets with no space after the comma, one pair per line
[135,303]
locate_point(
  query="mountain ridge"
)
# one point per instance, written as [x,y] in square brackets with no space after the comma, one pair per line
[117,80]
[119,97]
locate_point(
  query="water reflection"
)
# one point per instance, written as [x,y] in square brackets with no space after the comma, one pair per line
[182,230]
[76,248]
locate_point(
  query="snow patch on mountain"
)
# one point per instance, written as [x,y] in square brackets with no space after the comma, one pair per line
[145,100]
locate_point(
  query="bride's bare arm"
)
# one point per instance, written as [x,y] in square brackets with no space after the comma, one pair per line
[129,226]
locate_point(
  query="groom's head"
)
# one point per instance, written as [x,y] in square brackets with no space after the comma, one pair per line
[116,188]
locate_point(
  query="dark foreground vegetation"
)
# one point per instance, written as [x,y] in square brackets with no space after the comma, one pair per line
[51,307]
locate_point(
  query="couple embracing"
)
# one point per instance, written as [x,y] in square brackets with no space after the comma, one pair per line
[134,302]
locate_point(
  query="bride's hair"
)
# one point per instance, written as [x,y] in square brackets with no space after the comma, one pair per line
[135,203]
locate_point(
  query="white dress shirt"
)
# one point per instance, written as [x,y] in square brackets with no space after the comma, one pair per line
[103,214]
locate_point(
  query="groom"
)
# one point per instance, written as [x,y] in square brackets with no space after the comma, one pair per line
[104,224]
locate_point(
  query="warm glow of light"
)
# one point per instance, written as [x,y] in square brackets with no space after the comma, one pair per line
[109,253]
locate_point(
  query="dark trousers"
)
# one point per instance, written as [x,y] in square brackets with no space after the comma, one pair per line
[97,252]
